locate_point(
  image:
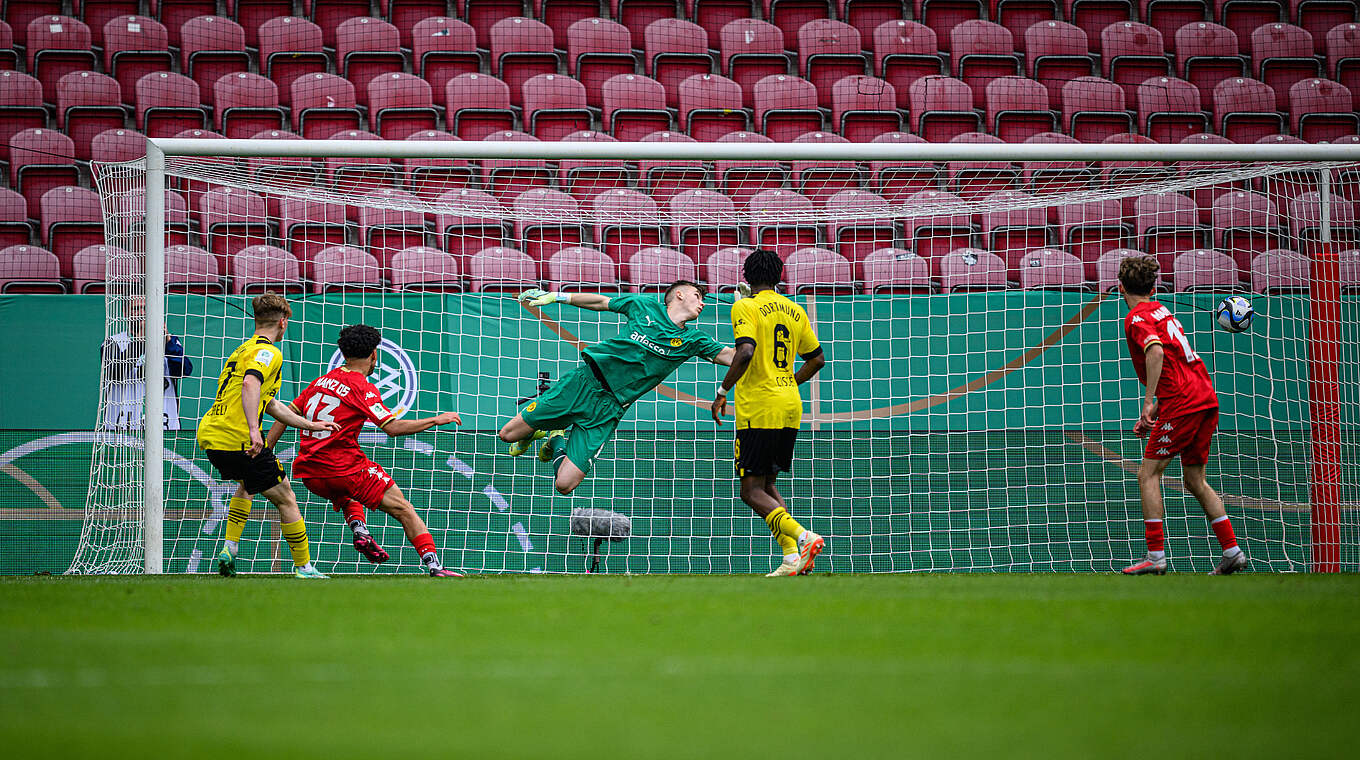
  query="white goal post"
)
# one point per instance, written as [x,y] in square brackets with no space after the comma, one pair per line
[1290,400]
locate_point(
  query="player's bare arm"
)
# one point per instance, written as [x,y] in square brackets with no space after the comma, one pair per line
[250,401]
[591,301]
[1148,418]
[738,360]
[396,427]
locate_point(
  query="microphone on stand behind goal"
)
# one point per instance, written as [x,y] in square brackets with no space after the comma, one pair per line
[543,384]
[595,526]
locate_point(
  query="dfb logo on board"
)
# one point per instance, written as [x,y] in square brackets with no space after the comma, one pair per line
[394,376]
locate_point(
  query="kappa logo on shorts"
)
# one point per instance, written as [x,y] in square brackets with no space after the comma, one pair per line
[1163,451]
[675,342]
[1164,439]
[395,376]
[532,406]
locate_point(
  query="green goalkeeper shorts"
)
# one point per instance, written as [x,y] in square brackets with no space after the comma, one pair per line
[577,403]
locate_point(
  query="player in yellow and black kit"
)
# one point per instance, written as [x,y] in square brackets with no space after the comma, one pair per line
[770,330]
[230,435]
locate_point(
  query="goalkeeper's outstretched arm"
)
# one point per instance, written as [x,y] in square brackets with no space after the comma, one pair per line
[591,301]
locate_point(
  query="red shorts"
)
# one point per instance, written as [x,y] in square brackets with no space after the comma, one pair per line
[1188,435]
[366,486]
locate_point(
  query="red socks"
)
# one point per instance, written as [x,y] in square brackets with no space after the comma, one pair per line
[1223,529]
[1156,539]
[424,544]
[353,510]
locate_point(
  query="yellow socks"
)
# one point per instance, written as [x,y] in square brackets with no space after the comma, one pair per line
[295,533]
[237,512]
[786,530]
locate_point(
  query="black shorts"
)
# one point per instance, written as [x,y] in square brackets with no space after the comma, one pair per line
[259,473]
[764,451]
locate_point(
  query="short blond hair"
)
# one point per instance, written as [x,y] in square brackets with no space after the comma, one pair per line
[270,308]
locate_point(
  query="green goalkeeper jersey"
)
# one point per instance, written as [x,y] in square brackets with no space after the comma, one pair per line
[650,347]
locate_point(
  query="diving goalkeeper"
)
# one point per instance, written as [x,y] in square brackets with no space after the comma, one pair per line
[583,408]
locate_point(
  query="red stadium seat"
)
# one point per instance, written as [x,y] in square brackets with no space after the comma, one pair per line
[354,174]
[1093,16]
[598,49]
[1052,269]
[942,108]
[479,105]
[247,104]
[345,269]
[97,13]
[897,180]
[782,221]
[18,14]
[896,271]
[443,48]
[1320,110]
[938,224]
[429,178]
[1205,270]
[943,15]
[1280,271]
[626,221]
[860,223]
[1091,228]
[388,222]
[702,223]
[972,180]
[1166,225]
[710,107]
[742,179]
[1244,110]
[254,16]
[654,269]
[188,269]
[663,179]
[71,220]
[583,268]
[400,105]
[30,269]
[546,221]
[1017,108]
[1057,54]
[793,15]
[970,270]
[332,15]
[117,145]
[1019,227]
[521,49]
[421,268]
[470,221]
[307,227]
[786,107]
[212,48]
[290,47]
[1343,58]
[1168,109]
[905,51]
[1305,223]
[57,46]
[21,107]
[15,228]
[1319,17]
[231,219]
[176,13]
[818,271]
[752,50]
[1019,15]
[1093,109]
[324,104]
[135,46]
[1133,53]
[87,104]
[1169,16]
[675,50]
[554,106]
[982,51]
[829,51]
[1054,176]
[634,107]
[722,270]
[560,15]
[39,160]
[1246,224]
[265,267]
[635,15]
[1282,54]
[1246,16]
[9,57]
[483,15]
[585,178]
[406,15]
[819,180]
[713,15]
[167,104]
[501,269]
[1207,54]
[506,178]
[89,267]
[364,48]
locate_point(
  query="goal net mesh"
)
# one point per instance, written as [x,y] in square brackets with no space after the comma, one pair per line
[975,412]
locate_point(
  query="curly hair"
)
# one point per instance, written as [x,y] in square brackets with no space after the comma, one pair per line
[666,297]
[763,268]
[269,308]
[358,341]
[1138,275]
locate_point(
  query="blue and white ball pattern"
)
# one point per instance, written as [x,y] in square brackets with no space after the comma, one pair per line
[1234,314]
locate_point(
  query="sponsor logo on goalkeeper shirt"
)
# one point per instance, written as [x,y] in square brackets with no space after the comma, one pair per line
[394,376]
[655,347]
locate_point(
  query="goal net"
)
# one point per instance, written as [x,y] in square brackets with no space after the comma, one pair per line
[975,412]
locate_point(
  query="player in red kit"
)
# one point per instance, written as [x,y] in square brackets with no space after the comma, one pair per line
[1179,416]
[333,466]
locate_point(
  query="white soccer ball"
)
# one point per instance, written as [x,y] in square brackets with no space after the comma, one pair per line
[1234,314]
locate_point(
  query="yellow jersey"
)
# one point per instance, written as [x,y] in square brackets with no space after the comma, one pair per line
[767,395]
[224,427]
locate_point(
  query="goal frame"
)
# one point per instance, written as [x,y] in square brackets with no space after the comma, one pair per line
[1324,286]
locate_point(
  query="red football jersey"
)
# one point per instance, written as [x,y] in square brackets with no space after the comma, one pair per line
[348,399]
[1184,386]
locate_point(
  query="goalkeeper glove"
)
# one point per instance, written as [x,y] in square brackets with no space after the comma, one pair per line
[537,297]
[743,291]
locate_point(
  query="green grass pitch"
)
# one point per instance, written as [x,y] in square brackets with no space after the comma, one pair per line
[833,666]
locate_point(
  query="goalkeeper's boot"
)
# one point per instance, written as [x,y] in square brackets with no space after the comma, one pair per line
[1230,565]
[226,563]
[365,545]
[308,572]
[785,568]
[545,452]
[444,572]
[1149,565]
[808,548]
[519,447]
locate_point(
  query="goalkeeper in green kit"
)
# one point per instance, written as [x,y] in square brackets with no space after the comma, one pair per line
[579,413]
